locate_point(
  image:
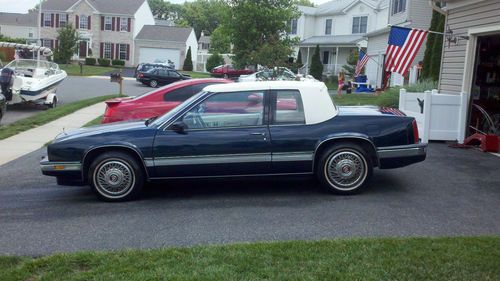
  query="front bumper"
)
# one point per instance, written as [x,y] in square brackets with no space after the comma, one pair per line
[401,156]
[67,173]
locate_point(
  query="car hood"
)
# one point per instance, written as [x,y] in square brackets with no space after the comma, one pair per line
[369,111]
[100,129]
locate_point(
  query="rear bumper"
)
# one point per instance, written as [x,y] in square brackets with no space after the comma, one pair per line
[67,173]
[401,156]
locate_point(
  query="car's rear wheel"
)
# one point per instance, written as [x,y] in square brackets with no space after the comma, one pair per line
[153,83]
[116,176]
[344,169]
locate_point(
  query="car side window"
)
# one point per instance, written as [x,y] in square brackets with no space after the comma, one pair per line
[179,95]
[237,109]
[173,74]
[289,109]
[162,72]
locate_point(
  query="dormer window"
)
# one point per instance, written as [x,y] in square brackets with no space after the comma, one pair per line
[84,24]
[398,6]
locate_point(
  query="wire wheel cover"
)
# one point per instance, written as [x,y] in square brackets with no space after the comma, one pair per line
[114,177]
[346,170]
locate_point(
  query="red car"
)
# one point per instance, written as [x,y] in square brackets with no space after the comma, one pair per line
[156,102]
[228,70]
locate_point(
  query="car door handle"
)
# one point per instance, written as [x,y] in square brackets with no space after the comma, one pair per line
[258,134]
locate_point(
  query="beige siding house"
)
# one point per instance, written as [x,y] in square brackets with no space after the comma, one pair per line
[19,26]
[471,55]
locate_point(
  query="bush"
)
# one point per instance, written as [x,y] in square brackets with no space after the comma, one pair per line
[316,67]
[213,61]
[104,62]
[118,62]
[188,62]
[90,61]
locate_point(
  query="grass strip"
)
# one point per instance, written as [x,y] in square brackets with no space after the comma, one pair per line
[88,70]
[389,98]
[458,258]
[94,122]
[49,115]
[195,74]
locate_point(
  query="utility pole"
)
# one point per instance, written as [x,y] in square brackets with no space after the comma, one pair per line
[40,21]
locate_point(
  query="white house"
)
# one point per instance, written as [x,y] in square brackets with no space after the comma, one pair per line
[337,27]
[406,13]
[19,25]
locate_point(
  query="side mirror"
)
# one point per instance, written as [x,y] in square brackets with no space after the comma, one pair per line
[179,127]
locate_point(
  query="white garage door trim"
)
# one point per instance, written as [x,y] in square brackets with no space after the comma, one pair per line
[149,55]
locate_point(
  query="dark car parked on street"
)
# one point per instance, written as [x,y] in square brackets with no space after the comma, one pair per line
[143,67]
[160,76]
[239,130]
[3,106]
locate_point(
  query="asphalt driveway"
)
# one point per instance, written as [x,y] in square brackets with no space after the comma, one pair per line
[453,193]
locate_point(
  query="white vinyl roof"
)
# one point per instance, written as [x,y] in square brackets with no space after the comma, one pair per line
[318,105]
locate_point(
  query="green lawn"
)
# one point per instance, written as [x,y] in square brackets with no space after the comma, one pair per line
[48,115]
[195,74]
[96,121]
[389,98]
[88,70]
[474,258]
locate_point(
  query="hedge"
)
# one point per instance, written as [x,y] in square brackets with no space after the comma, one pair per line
[90,61]
[118,62]
[104,62]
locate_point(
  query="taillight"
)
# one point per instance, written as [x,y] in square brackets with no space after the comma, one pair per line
[140,75]
[415,131]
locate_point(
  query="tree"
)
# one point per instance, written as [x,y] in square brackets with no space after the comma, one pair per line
[299,59]
[258,26]
[188,62]
[205,15]
[352,61]
[433,49]
[68,41]
[316,68]
[220,42]
[213,61]
[307,3]
[167,11]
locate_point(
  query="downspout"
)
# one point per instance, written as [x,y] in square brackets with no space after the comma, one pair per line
[436,8]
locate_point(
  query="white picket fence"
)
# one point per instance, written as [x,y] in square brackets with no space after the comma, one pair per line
[439,116]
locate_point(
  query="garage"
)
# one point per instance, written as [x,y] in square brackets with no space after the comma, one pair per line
[153,54]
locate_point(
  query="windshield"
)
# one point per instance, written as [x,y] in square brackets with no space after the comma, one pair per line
[176,109]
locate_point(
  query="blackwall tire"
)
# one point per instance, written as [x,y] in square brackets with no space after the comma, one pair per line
[153,83]
[344,169]
[115,177]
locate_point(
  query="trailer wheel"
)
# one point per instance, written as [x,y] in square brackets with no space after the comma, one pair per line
[54,103]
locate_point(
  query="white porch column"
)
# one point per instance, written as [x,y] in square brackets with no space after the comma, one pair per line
[307,68]
[336,60]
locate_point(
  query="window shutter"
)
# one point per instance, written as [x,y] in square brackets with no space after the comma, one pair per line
[117,51]
[51,20]
[41,21]
[129,22]
[67,18]
[102,23]
[57,20]
[112,51]
[113,24]
[57,44]
[118,28]
[102,50]
[77,22]
[89,23]
[51,43]
[128,52]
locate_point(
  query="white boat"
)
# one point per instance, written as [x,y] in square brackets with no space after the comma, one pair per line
[29,80]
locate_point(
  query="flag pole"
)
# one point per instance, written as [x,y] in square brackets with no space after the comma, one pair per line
[430,31]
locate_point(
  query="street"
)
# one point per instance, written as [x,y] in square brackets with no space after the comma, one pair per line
[453,193]
[73,89]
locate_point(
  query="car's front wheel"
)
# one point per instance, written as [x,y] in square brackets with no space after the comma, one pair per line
[153,83]
[116,176]
[344,169]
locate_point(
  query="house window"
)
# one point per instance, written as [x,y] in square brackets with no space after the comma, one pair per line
[108,23]
[359,24]
[107,50]
[47,43]
[123,24]
[398,6]
[326,57]
[47,19]
[84,22]
[30,33]
[123,51]
[62,20]
[328,27]
[205,46]
[293,27]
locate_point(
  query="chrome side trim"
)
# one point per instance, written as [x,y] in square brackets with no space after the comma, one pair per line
[292,156]
[212,159]
[402,151]
[232,176]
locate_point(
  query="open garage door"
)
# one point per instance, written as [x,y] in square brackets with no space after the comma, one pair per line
[151,54]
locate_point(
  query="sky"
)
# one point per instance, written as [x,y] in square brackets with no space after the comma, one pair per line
[22,6]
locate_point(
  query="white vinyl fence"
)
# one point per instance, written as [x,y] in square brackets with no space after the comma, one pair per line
[439,116]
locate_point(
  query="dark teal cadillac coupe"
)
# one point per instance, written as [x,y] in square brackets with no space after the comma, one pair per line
[239,130]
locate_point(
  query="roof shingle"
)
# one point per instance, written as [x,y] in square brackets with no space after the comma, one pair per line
[121,7]
[164,33]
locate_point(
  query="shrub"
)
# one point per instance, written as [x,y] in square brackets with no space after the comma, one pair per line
[213,61]
[316,67]
[104,62]
[90,61]
[118,62]
[188,62]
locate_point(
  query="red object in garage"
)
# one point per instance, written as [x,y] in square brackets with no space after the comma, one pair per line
[487,143]
[157,102]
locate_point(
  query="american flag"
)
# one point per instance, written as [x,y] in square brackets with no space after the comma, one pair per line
[404,44]
[362,60]
[391,111]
